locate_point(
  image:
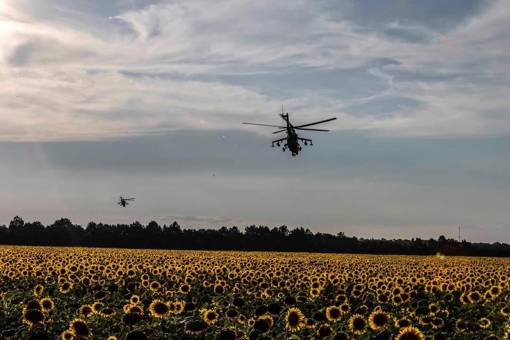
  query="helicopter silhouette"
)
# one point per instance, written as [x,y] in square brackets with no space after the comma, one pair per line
[124,201]
[292,137]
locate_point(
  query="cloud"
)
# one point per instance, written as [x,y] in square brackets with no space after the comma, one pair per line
[75,74]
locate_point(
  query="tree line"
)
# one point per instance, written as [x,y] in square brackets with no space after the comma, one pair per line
[254,238]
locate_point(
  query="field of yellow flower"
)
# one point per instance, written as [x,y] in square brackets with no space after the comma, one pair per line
[82,293]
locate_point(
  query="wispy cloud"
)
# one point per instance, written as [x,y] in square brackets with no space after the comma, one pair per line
[75,73]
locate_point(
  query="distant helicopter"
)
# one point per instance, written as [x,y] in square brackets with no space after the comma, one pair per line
[292,137]
[124,201]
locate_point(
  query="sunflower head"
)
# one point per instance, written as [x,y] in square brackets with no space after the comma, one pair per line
[294,320]
[357,324]
[33,317]
[262,325]
[67,335]
[136,335]
[86,310]
[159,309]
[195,327]
[80,328]
[333,313]
[461,325]
[410,333]
[47,304]
[379,320]
[211,317]
[324,331]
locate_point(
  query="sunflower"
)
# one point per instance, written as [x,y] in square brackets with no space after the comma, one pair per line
[159,309]
[238,302]
[33,317]
[475,297]
[495,291]
[211,317]
[382,298]
[505,311]
[97,306]
[484,323]
[154,286]
[241,318]
[357,324]
[67,335]
[65,287]
[112,337]
[136,335]
[131,319]
[294,320]
[440,336]
[178,307]
[320,317]
[433,308]
[86,310]
[135,299]
[410,333]
[341,336]
[47,305]
[344,308]
[262,325]
[34,304]
[232,314]
[38,290]
[195,327]
[274,308]
[80,328]
[379,320]
[107,312]
[219,289]
[437,323]
[185,288]
[100,295]
[402,323]
[461,325]
[324,331]
[314,292]
[333,313]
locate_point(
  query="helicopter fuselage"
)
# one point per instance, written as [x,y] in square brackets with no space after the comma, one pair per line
[292,142]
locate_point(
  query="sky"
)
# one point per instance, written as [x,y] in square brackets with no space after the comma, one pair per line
[146,99]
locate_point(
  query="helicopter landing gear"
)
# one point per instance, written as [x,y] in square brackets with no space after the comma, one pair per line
[283,149]
[278,143]
[306,143]
[293,154]
[272,145]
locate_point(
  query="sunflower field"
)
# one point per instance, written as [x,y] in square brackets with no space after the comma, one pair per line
[89,293]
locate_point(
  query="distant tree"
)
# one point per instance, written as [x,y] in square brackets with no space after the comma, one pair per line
[135,235]
[4,235]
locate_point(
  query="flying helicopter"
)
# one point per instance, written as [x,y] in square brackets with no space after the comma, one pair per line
[124,201]
[292,137]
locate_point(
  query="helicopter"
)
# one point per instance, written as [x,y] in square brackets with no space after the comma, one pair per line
[124,201]
[292,137]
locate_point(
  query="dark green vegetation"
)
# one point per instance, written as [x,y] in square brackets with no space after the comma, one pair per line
[153,236]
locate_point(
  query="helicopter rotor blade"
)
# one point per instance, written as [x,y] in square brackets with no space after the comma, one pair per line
[129,199]
[311,129]
[276,126]
[322,121]
[279,131]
